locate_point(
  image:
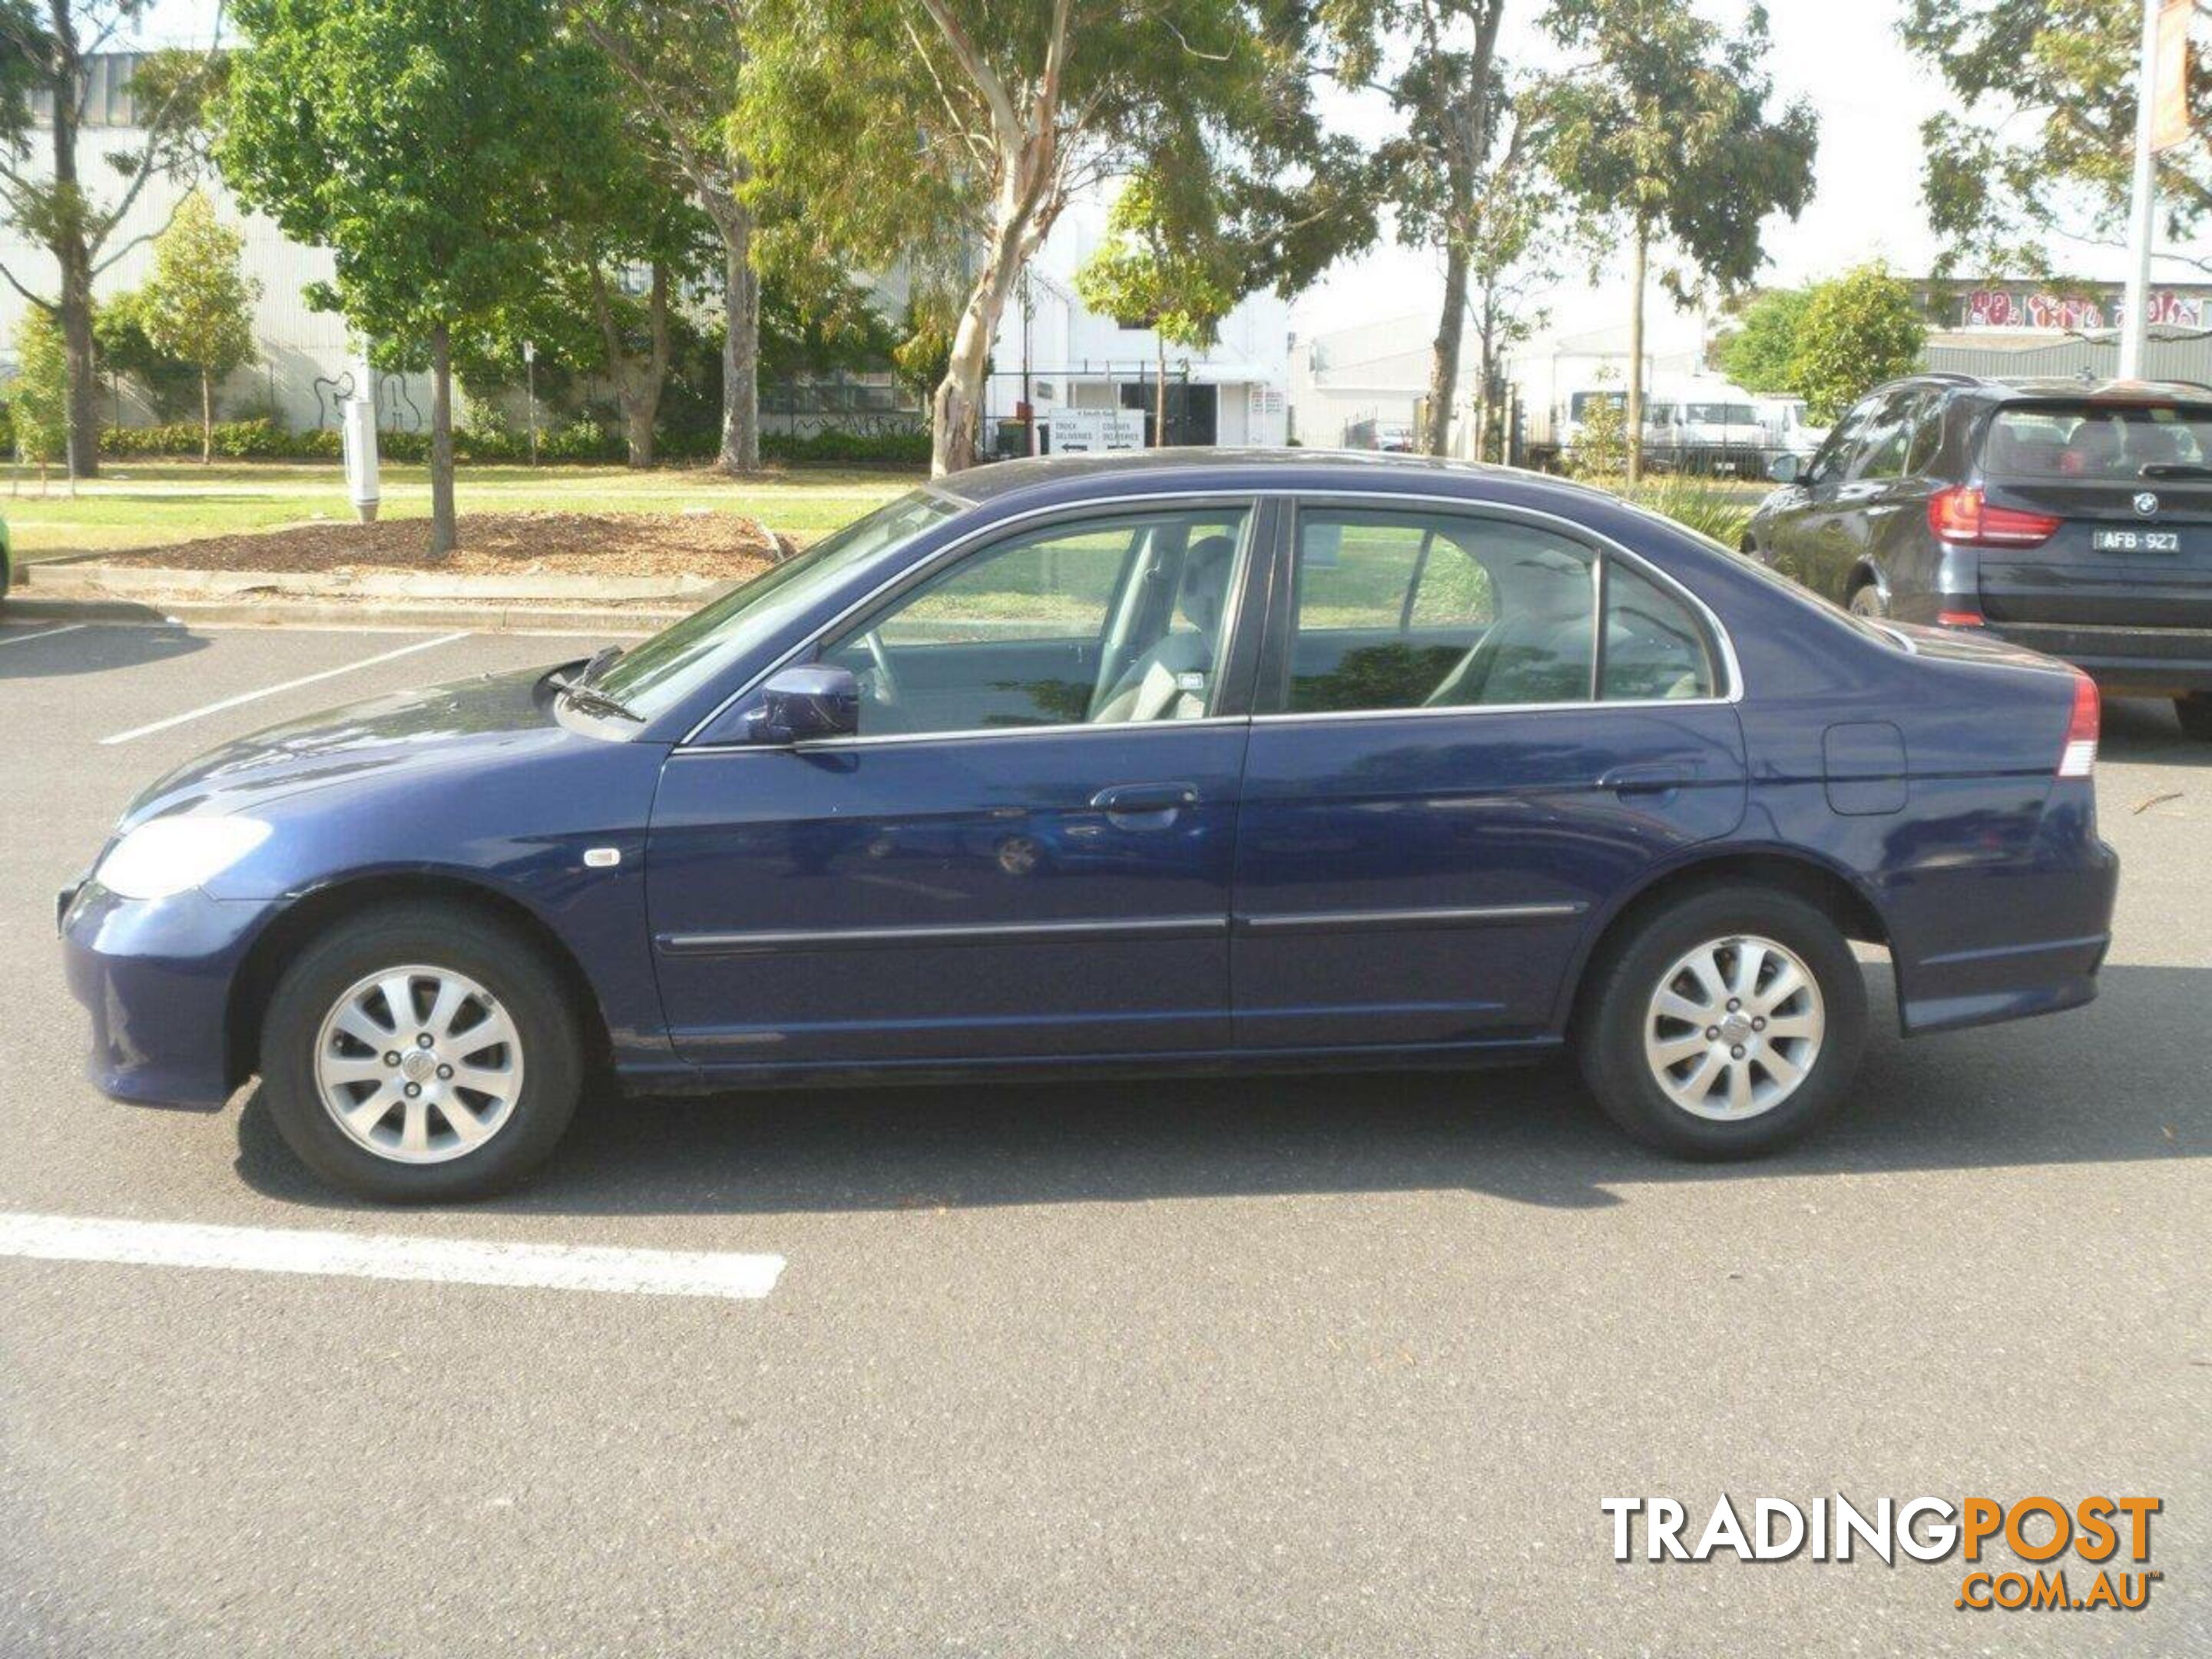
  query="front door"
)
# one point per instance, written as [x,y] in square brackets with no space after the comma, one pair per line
[1448,780]
[1027,850]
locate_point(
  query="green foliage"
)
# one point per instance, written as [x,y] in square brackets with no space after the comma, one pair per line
[39,397]
[1758,356]
[1150,273]
[2038,142]
[574,440]
[1668,132]
[1858,330]
[200,301]
[1600,451]
[417,140]
[119,329]
[1710,509]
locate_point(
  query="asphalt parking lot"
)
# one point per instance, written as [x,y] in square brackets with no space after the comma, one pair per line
[1307,1365]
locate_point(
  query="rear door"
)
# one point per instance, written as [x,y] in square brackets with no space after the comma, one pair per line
[1801,538]
[2130,484]
[1447,780]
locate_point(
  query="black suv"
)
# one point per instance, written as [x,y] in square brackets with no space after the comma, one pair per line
[2073,517]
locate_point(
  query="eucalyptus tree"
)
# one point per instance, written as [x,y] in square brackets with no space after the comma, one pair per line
[53,203]
[1664,134]
[902,124]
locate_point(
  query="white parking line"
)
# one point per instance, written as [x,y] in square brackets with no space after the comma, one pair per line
[288,685]
[727,1274]
[44,632]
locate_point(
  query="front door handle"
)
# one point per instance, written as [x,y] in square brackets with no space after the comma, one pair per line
[1144,806]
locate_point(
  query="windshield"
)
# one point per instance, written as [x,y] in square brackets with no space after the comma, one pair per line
[655,677]
[2094,440]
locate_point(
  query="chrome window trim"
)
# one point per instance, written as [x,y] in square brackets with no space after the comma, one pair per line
[1250,500]
[1730,664]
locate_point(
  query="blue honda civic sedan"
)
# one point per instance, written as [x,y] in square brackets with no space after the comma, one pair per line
[1192,760]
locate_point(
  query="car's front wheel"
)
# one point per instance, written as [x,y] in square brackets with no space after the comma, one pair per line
[415,1055]
[2195,712]
[1725,1026]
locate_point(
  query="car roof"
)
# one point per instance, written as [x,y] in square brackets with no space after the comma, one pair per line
[1205,469]
[2021,388]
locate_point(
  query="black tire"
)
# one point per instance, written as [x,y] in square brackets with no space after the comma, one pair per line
[1610,1034]
[2195,713]
[502,961]
[1867,601]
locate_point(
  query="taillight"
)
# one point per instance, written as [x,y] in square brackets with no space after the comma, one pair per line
[1959,515]
[1959,619]
[2079,758]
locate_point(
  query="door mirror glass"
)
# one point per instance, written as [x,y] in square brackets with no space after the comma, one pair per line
[804,705]
[1785,468]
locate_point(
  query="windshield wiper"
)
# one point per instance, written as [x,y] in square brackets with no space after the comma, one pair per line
[579,692]
[2174,470]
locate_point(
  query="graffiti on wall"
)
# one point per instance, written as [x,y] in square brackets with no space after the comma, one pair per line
[1999,307]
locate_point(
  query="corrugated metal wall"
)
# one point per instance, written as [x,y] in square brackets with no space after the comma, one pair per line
[2163,360]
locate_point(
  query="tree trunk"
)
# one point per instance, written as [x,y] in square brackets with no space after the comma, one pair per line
[741,340]
[1160,392]
[637,386]
[1444,356]
[1637,261]
[956,410]
[444,534]
[207,417]
[74,257]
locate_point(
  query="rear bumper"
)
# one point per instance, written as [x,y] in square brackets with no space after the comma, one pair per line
[155,976]
[2143,661]
[1973,946]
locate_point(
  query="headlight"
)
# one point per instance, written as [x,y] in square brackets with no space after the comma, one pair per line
[164,856]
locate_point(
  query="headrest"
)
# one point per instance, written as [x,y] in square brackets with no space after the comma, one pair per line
[1204,587]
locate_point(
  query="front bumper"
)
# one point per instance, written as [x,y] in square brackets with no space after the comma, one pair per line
[155,976]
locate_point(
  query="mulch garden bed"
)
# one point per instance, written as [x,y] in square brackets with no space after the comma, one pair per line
[715,545]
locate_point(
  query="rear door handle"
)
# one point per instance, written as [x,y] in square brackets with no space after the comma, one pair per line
[1660,779]
[1145,800]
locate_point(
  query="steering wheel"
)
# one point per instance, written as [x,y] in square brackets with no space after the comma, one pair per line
[886,694]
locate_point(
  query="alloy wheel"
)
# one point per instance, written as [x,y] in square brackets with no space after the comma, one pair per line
[1734,1028]
[418,1064]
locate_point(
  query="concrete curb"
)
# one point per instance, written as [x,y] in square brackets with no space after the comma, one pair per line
[157,584]
[478,617]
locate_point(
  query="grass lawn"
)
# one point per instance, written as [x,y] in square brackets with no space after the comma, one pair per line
[148,503]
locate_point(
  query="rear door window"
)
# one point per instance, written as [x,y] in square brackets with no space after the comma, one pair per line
[2095,442]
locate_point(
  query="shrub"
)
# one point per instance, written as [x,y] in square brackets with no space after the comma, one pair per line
[1710,509]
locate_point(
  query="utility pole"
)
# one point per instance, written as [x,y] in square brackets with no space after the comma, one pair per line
[2142,216]
[359,430]
[530,380]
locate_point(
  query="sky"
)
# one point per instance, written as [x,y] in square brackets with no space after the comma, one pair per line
[1842,55]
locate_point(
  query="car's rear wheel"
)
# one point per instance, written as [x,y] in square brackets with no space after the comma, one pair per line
[413,1054]
[1867,601]
[2195,712]
[1725,1026]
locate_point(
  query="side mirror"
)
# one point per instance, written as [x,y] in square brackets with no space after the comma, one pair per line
[1785,468]
[804,705]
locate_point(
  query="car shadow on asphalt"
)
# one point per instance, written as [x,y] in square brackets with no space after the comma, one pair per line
[100,648]
[2145,732]
[2124,1079]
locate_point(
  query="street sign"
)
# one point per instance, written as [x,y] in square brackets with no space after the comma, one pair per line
[1090,431]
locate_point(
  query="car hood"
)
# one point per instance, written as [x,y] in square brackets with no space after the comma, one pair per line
[466,723]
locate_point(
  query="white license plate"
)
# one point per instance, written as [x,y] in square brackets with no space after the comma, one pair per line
[2136,541]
